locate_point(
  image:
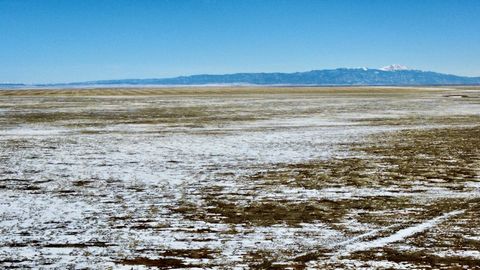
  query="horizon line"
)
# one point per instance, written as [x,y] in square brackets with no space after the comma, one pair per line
[222,74]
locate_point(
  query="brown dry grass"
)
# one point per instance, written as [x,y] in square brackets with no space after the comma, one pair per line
[217,91]
[446,157]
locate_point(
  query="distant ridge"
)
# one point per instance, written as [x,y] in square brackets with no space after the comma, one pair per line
[12,85]
[397,75]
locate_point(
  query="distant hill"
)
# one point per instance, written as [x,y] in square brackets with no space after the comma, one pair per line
[341,76]
[390,75]
[12,85]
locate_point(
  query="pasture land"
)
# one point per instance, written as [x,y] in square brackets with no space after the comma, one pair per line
[252,178]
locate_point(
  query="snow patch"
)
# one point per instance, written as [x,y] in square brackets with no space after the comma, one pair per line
[394,67]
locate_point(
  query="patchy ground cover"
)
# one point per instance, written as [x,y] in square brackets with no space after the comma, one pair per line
[303,178]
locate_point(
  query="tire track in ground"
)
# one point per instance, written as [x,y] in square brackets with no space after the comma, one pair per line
[399,235]
[354,244]
[347,242]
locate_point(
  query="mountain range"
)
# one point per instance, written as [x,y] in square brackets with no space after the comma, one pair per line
[390,75]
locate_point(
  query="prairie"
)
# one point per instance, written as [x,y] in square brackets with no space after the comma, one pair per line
[246,178]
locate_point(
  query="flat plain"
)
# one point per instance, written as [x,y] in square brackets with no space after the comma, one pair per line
[240,178]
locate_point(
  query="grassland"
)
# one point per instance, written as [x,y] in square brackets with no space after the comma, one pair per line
[253,178]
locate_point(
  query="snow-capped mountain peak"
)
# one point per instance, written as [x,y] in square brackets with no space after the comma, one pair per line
[394,68]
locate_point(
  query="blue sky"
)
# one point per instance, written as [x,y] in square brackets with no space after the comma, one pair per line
[64,41]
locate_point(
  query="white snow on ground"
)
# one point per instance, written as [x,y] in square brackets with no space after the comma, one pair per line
[27,131]
[132,167]
[364,265]
[475,254]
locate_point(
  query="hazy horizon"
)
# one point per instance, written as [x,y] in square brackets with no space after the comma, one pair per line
[214,74]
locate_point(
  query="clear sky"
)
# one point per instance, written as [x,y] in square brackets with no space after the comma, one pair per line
[63,41]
